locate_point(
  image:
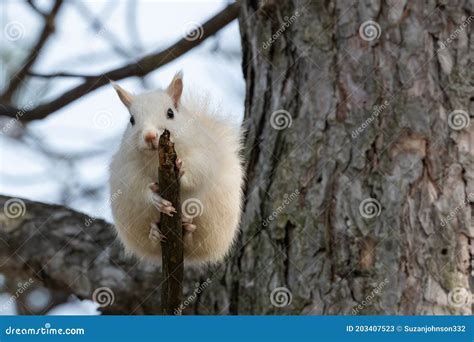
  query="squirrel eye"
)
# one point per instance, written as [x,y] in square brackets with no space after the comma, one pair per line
[132,120]
[170,113]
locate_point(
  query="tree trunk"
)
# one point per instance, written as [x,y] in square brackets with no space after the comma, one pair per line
[353,208]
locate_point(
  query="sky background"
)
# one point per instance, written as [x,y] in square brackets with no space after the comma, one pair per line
[214,66]
[64,158]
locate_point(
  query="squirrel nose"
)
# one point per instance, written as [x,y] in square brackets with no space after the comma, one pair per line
[150,137]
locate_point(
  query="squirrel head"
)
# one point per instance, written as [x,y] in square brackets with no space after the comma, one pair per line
[153,112]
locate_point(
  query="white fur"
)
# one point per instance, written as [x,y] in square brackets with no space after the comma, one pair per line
[209,148]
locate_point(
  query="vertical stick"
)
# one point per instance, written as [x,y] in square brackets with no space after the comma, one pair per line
[171,228]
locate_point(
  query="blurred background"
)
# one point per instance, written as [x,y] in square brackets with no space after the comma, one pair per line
[64,158]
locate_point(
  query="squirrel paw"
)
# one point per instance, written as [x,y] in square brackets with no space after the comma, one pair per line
[188,225]
[155,233]
[179,164]
[160,203]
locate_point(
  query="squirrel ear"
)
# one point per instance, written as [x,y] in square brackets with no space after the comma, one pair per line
[175,89]
[124,96]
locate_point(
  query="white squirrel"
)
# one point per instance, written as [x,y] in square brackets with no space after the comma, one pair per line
[210,163]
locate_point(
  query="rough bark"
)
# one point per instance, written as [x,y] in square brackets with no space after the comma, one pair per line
[171,228]
[409,159]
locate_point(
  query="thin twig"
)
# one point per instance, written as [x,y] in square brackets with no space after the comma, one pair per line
[59,74]
[36,9]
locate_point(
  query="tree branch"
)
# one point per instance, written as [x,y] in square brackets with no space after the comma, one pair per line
[60,74]
[36,9]
[73,253]
[142,67]
[171,228]
[48,29]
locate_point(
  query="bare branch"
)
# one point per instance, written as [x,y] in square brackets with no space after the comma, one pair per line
[144,66]
[48,29]
[76,254]
[36,9]
[60,74]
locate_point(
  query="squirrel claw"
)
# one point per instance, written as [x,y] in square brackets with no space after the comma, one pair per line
[170,211]
[179,163]
[163,205]
[155,234]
